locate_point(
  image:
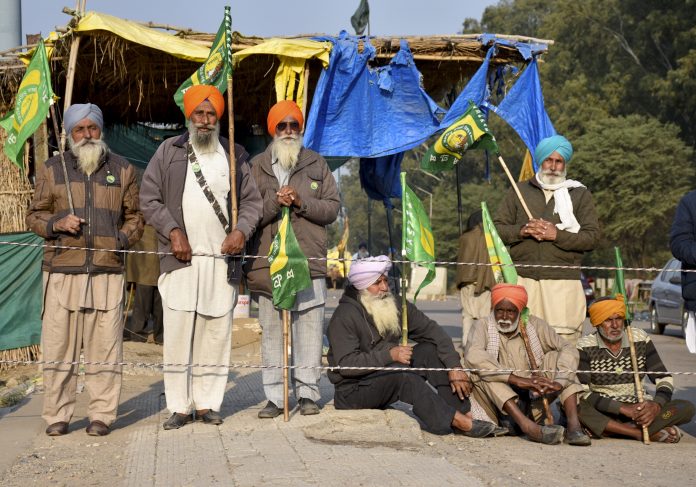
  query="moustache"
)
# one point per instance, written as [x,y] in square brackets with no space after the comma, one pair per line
[205,126]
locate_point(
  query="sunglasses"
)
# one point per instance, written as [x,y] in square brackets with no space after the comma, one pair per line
[294,126]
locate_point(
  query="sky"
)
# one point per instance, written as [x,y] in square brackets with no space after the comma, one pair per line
[268,18]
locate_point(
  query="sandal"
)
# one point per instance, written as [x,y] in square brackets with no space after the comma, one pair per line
[667,436]
[550,435]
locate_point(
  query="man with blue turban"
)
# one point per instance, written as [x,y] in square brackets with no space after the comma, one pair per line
[563,227]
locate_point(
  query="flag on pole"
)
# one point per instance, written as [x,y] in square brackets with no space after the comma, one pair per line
[497,251]
[361,18]
[34,97]
[215,70]
[289,267]
[417,239]
[620,284]
[470,131]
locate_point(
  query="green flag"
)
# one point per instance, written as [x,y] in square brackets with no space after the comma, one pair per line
[470,131]
[215,70]
[620,284]
[361,18]
[497,251]
[34,97]
[289,267]
[417,237]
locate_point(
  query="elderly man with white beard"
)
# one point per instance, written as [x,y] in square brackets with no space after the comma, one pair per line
[290,175]
[83,286]
[564,227]
[186,197]
[496,345]
[365,331]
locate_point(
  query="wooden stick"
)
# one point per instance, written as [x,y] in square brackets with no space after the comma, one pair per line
[69,82]
[286,342]
[129,301]
[514,186]
[233,156]
[548,420]
[636,377]
[404,314]
[305,90]
[62,160]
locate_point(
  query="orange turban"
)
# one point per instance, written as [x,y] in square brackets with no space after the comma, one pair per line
[517,295]
[281,110]
[603,308]
[197,94]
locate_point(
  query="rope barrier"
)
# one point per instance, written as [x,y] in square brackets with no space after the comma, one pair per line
[333,368]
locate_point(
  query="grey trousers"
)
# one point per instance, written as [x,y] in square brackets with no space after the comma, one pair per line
[306,332]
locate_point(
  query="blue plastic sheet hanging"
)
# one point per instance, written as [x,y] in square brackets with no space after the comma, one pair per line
[380,177]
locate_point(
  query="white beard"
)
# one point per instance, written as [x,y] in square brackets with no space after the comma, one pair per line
[507,326]
[204,142]
[88,153]
[286,150]
[382,308]
[552,177]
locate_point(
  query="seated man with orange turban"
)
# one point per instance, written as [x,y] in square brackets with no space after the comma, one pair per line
[611,406]
[497,345]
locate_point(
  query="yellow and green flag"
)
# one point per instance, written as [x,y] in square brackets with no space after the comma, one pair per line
[289,267]
[34,97]
[502,267]
[417,239]
[470,131]
[215,70]
[620,283]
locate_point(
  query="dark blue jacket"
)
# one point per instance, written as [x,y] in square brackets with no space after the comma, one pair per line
[682,241]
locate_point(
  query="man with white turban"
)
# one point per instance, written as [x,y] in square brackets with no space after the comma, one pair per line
[365,331]
[563,227]
[497,345]
[83,289]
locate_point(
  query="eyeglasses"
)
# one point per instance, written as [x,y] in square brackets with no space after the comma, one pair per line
[294,126]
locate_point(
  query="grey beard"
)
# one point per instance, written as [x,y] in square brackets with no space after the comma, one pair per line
[286,150]
[551,177]
[88,153]
[204,141]
[383,310]
[600,330]
[507,326]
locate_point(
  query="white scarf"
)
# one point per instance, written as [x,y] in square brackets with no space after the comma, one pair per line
[563,205]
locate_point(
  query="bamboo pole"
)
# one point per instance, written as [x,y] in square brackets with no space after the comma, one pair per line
[233,155]
[62,160]
[286,342]
[514,186]
[404,314]
[305,90]
[636,377]
[69,83]
[548,419]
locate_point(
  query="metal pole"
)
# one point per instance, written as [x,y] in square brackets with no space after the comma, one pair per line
[459,200]
[369,225]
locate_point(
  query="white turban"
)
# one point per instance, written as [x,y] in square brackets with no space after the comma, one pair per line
[75,113]
[364,272]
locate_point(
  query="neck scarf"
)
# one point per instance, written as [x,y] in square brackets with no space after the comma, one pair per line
[493,345]
[563,205]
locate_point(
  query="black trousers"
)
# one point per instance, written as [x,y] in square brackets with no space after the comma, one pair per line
[382,388]
[147,303]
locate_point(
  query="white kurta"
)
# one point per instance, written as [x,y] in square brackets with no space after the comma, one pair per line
[202,286]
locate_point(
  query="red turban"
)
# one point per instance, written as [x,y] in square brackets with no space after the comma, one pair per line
[281,110]
[605,308]
[517,295]
[197,94]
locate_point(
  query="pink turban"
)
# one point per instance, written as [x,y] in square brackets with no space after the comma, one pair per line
[517,295]
[281,110]
[364,272]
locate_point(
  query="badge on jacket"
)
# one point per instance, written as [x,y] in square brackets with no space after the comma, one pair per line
[314,185]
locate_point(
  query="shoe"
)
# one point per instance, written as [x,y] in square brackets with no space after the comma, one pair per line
[500,431]
[177,420]
[57,429]
[308,407]
[270,411]
[210,417]
[479,429]
[550,435]
[577,438]
[97,428]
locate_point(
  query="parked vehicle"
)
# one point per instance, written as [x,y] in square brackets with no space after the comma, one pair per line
[666,306]
[587,289]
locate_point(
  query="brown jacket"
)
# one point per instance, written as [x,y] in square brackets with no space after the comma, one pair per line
[110,210]
[163,189]
[313,181]
[472,248]
[567,249]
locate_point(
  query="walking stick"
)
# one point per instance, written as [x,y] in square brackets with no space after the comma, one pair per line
[548,420]
[514,186]
[286,340]
[636,377]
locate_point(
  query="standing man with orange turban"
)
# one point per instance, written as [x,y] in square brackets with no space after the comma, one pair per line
[611,406]
[185,196]
[290,175]
[496,344]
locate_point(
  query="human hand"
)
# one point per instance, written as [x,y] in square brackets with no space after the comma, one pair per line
[68,224]
[233,243]
[540,385]
[539,229]
[460,383]
[645,413]
[180,245]
[289,192]
[401,354]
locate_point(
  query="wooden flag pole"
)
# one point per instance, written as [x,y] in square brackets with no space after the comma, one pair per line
[514,185]
[636,377]
[62,159]
[286,342]
[404,314]
[69,82]
[548,419]
[233,156]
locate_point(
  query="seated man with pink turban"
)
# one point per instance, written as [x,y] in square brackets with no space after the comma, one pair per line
[497,345]
[611,406]
[365,331]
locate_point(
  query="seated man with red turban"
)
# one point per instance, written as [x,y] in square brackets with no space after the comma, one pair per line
[611,406]
[497,344]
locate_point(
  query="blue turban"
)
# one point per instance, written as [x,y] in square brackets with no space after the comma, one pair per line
[549,145]
[75,113]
